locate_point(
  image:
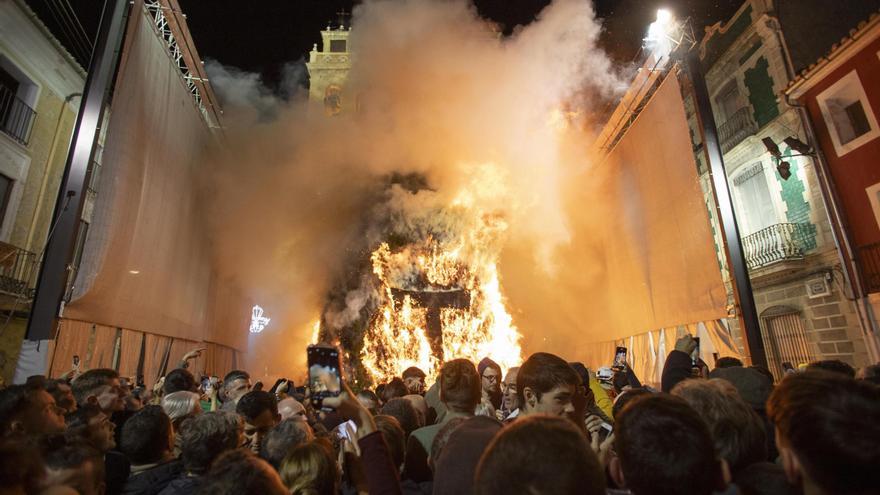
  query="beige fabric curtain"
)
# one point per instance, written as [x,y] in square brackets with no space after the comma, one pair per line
[130,352]
[72,340]
[147,263]
[102,345]
[156,349]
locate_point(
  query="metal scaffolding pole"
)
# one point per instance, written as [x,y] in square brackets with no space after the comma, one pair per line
[68,206]
[742,286]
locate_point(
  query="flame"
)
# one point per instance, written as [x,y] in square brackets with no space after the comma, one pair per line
[462,255]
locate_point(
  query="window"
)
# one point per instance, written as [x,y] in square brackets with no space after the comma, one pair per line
[756,209]
[874,199]
[5,193]
[785,339]
[728,100]
[337,46]
[848,115]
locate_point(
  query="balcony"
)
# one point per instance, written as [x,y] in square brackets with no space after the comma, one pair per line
[869,263]
[16,117]
[739,126]
[18,271]
[780,242]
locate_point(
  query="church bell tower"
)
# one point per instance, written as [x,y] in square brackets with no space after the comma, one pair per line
[328,68]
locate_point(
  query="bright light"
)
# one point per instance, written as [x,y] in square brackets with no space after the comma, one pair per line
[258,321]
[661,35]
[134,272]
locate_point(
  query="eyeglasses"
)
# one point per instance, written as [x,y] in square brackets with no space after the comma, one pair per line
[491,378]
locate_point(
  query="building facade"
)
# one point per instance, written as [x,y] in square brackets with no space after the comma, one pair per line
[328,70]
[40,90]
[794,266]
[841,93]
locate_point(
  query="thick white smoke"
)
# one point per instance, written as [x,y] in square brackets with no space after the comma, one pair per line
[443,95]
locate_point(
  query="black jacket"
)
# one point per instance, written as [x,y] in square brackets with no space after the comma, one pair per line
[185,485]
[153,480]
[677,369]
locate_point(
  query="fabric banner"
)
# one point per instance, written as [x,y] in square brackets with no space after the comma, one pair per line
[147,263]
[130,352]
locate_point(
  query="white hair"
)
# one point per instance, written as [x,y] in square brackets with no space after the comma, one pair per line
[178,405]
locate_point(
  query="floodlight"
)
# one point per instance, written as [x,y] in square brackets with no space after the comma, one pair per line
[798,145]
[784,170]
[772,148]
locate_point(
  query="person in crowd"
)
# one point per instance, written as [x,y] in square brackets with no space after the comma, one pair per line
[679,364]
[460,392]
[259,411]
[827,432]
[77,466]
[728,362]
[311,468]
[663,447]
[546,384]
[204,438]
[490,381]
[442,437]
[29,411]
[290,408]
[148,442]
[414,380]
[21,467]
[754,387]
[180,406]
[236,383]
[870,374]
[238,472]
[394,436]
[62,393]
[370,400]
[99,386]
[597,401]
[625,397]
[91,426]
[566,463]
[509,400]
[403,410]
[283,438]
[736,429]
[833,365]
[456,464]
[394,388]
[180,380]
[420,406]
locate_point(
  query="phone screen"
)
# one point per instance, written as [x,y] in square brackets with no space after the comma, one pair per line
[325,379]
[619,357]
[695,356]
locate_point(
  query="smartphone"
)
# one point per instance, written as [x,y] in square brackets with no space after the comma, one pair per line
[604,431]
[619,358]
[75,362]
[325,374]
[695,356]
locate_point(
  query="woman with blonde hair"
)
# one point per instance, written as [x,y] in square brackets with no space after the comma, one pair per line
[310,469]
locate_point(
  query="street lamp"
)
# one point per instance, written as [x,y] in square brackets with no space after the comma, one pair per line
[782,166]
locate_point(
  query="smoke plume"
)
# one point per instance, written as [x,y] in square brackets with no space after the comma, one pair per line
[297,196]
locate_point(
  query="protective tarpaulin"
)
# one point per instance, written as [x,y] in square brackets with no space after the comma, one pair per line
[641,256]
[147,263]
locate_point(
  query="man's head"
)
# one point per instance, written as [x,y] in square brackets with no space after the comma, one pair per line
[414,379]
[663,447]
[206,437]
[727,362]
[259,411]
[737,430]
[290,408]
[368,399]
[404,412]
[394,388]
[508,388]
[311,468]
[490,375]
[236,383]
[421,406]
[181,405]
[460,386]
[282,439]
[30,411]
[180,380]
[394,437]
[833,365]
[77,466]
[239,471]
[62,393]
[100,386]
[827,431]
[546,384]
[90,425]
[567,465]
[147,437]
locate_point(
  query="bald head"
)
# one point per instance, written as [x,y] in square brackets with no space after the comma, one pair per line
[291,408]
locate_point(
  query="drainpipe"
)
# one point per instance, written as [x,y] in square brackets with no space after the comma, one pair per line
[46,174]
[851,273]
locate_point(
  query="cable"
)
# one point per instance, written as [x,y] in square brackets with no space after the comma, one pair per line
[76,43]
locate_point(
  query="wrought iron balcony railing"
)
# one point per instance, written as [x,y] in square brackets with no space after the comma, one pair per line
[16,117]
[783,241]
[739,126]
[18,271]
[869,262]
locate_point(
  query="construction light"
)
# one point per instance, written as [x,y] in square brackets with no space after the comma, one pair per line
[772,148]
[798,145]
[662,35]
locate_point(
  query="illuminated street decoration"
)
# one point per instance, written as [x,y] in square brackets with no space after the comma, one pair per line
[258,321]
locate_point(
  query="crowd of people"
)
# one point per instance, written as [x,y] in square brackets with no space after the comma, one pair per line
[545,427]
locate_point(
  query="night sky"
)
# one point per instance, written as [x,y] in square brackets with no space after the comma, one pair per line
[262,35]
